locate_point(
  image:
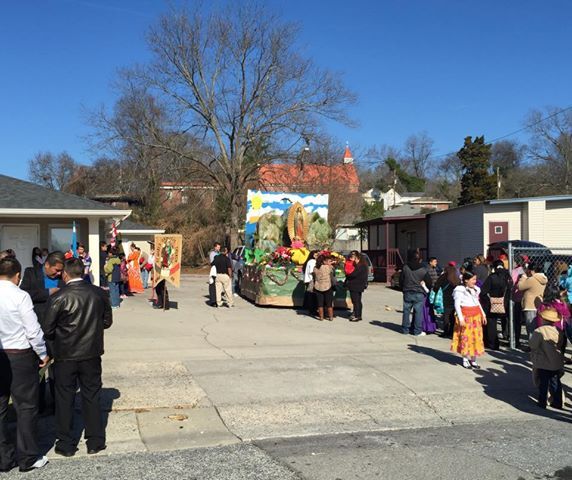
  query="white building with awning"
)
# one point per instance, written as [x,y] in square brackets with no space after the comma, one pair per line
[35,216]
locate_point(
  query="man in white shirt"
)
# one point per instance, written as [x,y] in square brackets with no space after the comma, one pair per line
[214,252]
[22,351]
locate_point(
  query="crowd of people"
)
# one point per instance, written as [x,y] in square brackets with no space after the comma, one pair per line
[60,330]
[51,318]
[127,274]
[468,302]
[321,284]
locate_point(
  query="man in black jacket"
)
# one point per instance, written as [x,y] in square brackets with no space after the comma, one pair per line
[75,319]
[412,276]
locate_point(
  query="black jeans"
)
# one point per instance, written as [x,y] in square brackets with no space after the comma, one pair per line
[88,374]
[549,380]
[309,301]
[517,322]
[19,378]
[356,301]
[163,295]
[491,338]
[449,320]
[325,299]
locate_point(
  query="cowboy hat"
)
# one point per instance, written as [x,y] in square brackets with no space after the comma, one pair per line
[550,315]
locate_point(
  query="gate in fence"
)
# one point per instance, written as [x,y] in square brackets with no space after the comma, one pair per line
[553,262]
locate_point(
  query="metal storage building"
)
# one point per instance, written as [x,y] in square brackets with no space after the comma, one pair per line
[467,231]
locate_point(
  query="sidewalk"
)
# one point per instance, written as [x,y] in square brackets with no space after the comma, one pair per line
[199,376]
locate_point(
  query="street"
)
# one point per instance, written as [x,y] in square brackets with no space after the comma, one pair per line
[263,393]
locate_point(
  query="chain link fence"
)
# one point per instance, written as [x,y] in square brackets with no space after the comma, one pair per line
[553,262]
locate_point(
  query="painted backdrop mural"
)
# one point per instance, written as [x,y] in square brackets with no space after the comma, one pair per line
[274,219]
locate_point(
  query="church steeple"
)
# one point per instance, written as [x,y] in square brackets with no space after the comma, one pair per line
[348,157]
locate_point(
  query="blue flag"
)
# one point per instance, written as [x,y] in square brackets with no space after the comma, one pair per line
[74,241]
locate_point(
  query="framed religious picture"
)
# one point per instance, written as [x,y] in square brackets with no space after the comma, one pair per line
[168,252]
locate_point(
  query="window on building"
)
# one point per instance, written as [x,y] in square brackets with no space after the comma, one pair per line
[498,230]
[184,199]
[60,238]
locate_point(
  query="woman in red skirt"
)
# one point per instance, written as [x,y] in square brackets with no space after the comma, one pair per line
[470,318]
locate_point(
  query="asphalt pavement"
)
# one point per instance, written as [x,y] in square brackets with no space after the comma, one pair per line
[534,449]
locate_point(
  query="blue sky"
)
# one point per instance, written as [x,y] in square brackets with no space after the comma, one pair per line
[451,68]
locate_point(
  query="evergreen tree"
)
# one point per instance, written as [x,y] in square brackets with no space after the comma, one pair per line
[477,183]
[372,210]
[410,183]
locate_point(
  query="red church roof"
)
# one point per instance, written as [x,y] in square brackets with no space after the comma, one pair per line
[284,177]
[348,154]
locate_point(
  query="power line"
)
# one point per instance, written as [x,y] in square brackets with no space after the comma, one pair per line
[532,124]
[502,137]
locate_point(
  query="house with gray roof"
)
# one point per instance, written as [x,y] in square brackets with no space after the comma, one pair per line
[35,216]
[400,229]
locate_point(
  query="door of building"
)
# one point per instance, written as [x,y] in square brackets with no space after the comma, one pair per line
[22,239]
[498,232]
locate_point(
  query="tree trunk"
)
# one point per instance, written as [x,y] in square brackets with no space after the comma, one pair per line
[235,223]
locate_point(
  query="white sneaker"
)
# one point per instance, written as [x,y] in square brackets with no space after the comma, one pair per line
[422,334]
[39,463]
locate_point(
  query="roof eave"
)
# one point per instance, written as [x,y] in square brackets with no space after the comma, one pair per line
[380,220]
[63,212]
[141,232]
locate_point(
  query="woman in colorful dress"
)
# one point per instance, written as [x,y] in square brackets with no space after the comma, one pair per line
[133,270]
[470,318]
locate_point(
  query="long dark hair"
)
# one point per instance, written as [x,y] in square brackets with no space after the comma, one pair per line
[551,293]
[359,256]
[467,275]
[310,257]
[451,275]
[321,259]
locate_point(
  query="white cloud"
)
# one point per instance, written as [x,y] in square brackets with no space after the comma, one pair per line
[304,199]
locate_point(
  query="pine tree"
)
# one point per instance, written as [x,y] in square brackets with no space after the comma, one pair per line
[477,183]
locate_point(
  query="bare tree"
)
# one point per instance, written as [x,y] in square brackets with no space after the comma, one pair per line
[52,171]
[551,145]
[137,135]
[417,151]
[235,79]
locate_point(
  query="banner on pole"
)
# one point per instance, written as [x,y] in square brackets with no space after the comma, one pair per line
[168,253]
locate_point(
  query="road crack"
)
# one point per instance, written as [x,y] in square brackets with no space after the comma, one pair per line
[206,337]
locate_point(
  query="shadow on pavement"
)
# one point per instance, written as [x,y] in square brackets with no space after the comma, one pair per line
[512,383]
[445,357]
[47,426]
[390,326]
[509,380]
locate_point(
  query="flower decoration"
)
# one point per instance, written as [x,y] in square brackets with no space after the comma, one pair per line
[281,257]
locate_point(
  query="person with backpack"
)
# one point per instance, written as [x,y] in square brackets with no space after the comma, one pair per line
[495,298]
[112,271]
[446,283]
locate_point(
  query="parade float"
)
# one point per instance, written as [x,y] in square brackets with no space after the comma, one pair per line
[281,231]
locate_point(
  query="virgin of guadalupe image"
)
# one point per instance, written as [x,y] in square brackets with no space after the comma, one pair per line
[297,222]
[168,258]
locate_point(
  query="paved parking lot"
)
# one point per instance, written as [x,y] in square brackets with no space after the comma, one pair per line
[197,376]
